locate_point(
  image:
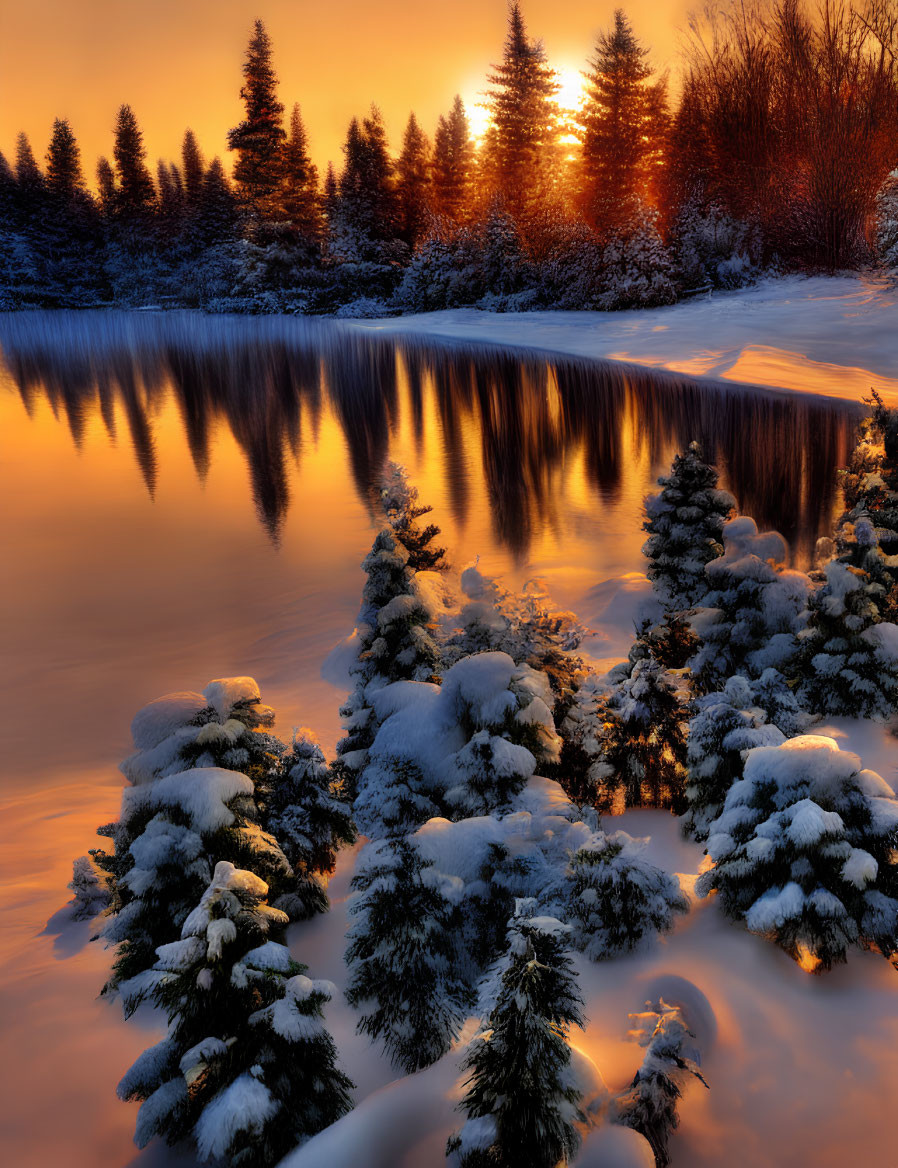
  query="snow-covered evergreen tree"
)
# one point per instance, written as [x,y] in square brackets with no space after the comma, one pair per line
[649,1105]
[685,522]
[887,223]
[724,726]
[394,641]
[522,1104]
[402,955]
[804,852]
[754,607]
[91,887]
[848,663]
[713,249]
[247,1066]
[642,750]
[169,835]
[614,898]
[636,265]
[225,726]
[403,510]
[306,808]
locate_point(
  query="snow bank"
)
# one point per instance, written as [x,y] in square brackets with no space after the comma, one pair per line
[832,336]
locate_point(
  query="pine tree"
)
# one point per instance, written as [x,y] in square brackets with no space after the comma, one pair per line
[753,610]
[614,898]
[193,169]
[413,183]
[399,500]
[522,144]
[402,955]
[724,726]
[367,204]
[247,1066]
[134,190]
[685,522]
[453,164]
[304,807]
[169,834]
[521,1101]
[64,175]
[642,755]
[106,185]
[625,120]
[259,139]
[218,214]
[28,175]
[848,659]
[804,852]
[649,1106]
[300,199]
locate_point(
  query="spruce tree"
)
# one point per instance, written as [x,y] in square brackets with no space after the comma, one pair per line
[453,164]
[106,186]
[247,1067]
[753,610]
[614,898]
[167,839]
[804,852]
[193,169]
[300,201]
[413,181]
[304,806]
[642,755]
[64,175]
[218,216]
[724,726]
[259,139]
[522,145]
[848,660]
[134,191]
[521,1103]
[685,523]
[399,500]
[403,957]
[367,206]
[625,121]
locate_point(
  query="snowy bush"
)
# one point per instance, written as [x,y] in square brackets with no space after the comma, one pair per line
[615,898]
[712,249]
[636,267]
[649,1106]
[804,852]
[521,1103]
[90,885]
[685,521]
[399,500]
[887,223]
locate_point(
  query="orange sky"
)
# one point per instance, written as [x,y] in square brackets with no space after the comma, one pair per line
[178,61]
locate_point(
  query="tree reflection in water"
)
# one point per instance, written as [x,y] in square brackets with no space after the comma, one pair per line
[532,416]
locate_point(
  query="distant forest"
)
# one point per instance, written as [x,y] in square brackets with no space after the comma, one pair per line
[778,153]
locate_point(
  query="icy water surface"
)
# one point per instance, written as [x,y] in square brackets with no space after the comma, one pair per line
[185,498]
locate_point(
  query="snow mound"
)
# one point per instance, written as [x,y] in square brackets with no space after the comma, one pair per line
[612,1146]
[162,717]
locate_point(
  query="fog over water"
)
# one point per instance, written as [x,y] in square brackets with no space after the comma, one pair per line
[190,497]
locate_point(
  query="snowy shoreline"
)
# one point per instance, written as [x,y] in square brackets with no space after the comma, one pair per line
[828,336]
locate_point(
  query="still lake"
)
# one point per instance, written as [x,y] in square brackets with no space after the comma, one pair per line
[188,497]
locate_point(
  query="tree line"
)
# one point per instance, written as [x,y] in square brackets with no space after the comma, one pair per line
[776,153]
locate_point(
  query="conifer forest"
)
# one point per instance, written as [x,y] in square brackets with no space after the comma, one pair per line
[450,595]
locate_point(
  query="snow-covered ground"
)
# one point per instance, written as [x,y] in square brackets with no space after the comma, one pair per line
[834,336]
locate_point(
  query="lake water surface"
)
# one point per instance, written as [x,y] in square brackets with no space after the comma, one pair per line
[187,497]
